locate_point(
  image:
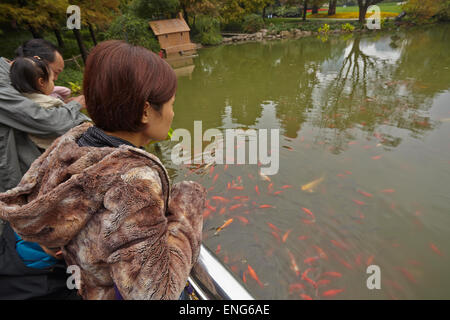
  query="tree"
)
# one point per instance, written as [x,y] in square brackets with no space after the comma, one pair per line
[363,5]
[155,9]
[235,10]
[332,7]
[427,10]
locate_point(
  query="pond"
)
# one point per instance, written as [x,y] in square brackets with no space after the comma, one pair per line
[364,163]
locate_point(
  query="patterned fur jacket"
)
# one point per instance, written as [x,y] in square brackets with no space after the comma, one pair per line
[114,215]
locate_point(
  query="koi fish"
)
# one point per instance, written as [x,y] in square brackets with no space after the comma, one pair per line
[408,275]
[264,206]
[276,236]
[243,277]
[242,219]
[309,212]
[241,198]
[209,206]
[215,178]
[222,211]
[305,277]
[206,213]
[435,249]
[332,292]
[323,282]
[271,226]
[358,202]
[254,276]
[238,188]
[365,193]
[226,224]
[370,260]
[305,296]
[235,206]
[310,260]
[320,252]
[270,188]
[277,192]
[257,190]
[264,177]
[286,235]
[296,287]
[339,244]
[331,274]
[311,186]
[286,186]
[221,199]
[376,157]
[294,266]
[218,249]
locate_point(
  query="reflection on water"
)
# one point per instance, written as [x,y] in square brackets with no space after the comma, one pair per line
[365,113]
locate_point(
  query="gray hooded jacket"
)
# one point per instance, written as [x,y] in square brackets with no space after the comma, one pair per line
[19,117]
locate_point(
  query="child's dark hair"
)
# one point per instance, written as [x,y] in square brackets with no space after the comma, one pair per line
[25,73]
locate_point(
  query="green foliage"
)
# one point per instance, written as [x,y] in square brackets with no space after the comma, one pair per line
[155,9]
[133,30]
[207,30]
[348,27]
[324,29]
[427,11]
[253,23]
[76,88]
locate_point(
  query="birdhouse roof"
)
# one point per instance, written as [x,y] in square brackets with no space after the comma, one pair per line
[160,27]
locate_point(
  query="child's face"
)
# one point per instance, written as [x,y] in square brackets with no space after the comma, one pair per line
[47,87]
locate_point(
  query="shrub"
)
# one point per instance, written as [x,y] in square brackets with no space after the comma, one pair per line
[253,23]
[347,27]
[207,30]
[324,29]
[134,30]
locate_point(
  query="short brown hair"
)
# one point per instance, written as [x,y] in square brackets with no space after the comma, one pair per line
[119,78]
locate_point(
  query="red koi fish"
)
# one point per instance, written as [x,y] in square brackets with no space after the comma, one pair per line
[241,198]
[331,293]
[209,206]
[240,188]
[286,235]
[218,249]
[222,211]
[339,244]
[310,260]
[435,249]
[242,219]
[271,226]
[270,188]
[235,206]
[220,199]
[265,206]
[257,190]
[305,277]
[408,275]
[320,252]
[309,212]
[294,266]
[276,236]
[331,274]
[361,203]
[254,276]
[323,282]
[286,186]
[206,213]
[365,193]
[277,192]
[305,296]
[215,178]
[296,287]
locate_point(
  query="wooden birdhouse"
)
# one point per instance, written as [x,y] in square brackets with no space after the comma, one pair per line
[173,35]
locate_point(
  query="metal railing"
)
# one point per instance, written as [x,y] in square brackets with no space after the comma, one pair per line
[212,281]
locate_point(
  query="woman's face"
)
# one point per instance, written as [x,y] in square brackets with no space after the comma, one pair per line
[157,124]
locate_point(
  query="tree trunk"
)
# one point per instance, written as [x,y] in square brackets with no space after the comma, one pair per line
[363,5]
[83,51]
[332,8]
[34,32]
[264,12]
[315,9]
[305,9]
[91,31]
[59,38]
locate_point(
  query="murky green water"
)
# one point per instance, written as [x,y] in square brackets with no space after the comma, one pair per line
[371,115]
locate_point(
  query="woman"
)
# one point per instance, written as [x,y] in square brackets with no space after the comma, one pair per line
[105,202]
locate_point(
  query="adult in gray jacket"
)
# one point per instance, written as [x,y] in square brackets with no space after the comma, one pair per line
[20,116]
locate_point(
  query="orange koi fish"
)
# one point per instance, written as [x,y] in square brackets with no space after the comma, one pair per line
[339,244]
[215,178]
[310,260]
[238,188]
[257,190]
[264,206]
[270,188]
[323,282]
[222,211]
[254,276]
[305,278]
[294,266]
[226,224]
[206,213]
[277,192]
[370,260]
[358,202]
[209,206]
[286,186]
[286,235]
[218,249]
[276,236]
[332,292]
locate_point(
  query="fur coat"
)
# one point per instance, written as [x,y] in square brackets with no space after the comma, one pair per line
[114,215]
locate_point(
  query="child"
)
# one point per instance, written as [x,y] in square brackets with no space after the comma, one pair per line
[34,79]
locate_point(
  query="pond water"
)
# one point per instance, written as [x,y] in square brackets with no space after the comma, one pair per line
[366,118]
